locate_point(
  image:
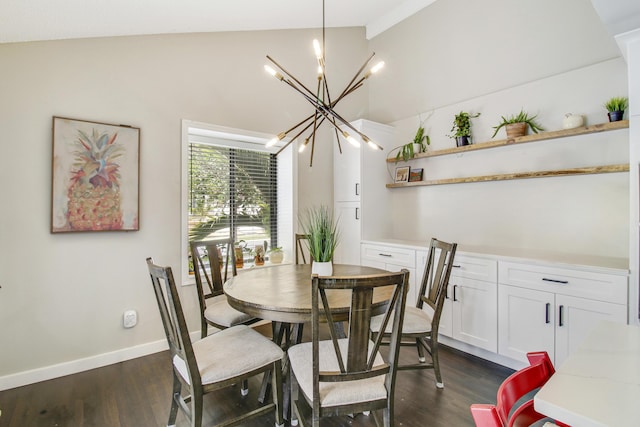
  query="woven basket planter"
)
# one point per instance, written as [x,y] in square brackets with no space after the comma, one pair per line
[515,130]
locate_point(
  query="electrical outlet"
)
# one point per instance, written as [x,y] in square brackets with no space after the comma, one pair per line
[130,318]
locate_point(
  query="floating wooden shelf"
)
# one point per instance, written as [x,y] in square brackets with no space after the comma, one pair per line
[602,127]
[518,175]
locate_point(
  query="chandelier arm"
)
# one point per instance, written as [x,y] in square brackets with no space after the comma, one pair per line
[297,125]
[297,135]
[290,76]
[313,140]
[346,93]
[357,74]
[326,111]
[338,140]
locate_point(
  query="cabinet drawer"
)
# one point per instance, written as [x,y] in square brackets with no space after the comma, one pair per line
[475,268]
[389,255]
[565,281]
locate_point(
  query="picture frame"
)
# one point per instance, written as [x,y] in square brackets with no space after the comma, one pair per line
[402,174]
[415,174]
[95,176]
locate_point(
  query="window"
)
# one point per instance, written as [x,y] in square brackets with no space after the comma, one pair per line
[233,187]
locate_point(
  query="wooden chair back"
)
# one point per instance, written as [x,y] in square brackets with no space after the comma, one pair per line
[212,261]
[358,362]
[433,288]
[175,326]
[301,250]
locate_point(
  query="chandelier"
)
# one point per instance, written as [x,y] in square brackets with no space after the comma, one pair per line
[321,101]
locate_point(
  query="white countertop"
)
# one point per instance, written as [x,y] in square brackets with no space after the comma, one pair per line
[599,384]
[609,265]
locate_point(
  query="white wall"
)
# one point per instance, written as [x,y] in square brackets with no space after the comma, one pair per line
[496,57]
[63,295]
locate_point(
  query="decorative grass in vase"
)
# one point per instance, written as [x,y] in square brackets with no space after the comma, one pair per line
[319,224]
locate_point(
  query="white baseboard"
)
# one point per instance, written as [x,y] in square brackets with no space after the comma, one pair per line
[483,354]
[67,368]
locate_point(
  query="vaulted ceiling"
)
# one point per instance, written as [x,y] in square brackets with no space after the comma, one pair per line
[30,20]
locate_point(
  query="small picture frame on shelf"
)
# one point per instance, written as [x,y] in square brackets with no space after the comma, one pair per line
[402,174]
[415,174]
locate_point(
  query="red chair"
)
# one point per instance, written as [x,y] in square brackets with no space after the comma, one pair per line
[518,384]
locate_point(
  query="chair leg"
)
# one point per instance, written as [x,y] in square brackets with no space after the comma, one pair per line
[175,395]
[294,398]
[196,408]
[436,363]
[277,392]
[244,389]
[421,357]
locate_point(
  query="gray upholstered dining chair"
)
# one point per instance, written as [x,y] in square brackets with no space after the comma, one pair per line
[210,277]
[217,361]
[341,376]
[421,322]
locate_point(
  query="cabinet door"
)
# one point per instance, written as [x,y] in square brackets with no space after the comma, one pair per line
[526,322]
[349,220]
[346,173]
[474,310]
[576,317]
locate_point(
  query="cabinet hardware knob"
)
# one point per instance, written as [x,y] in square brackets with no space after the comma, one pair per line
[564,282]
[548,313]
[357,213]
[455,297]
[561,316]
[357,189]
[387,255]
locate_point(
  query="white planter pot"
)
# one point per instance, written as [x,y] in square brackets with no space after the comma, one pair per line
[276,257]
[322,268]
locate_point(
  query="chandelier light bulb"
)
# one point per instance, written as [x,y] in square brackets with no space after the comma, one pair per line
[371,144]
[303,146]
[273,72]
[275,140]
[351,139]
[317,49]
[377,67]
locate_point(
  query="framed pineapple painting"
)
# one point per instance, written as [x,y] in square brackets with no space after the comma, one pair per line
[95,176]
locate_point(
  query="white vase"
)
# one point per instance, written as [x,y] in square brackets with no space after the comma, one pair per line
[276,257]
[322,268]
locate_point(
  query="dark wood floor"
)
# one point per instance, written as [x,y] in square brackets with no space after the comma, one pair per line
[137,393]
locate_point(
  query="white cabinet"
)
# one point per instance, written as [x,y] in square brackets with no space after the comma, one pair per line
[392,258]
[350,182]
[348,252]
[473,301]
[346,172]
[470,309]
[543,307]
[501,307]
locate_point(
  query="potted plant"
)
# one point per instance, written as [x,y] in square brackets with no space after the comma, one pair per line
[516,125]
[461,129]
[319,224]
[616,107]
[418,145]
[276,255]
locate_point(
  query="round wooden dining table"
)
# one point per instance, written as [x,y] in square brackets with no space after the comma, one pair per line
[282,293]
